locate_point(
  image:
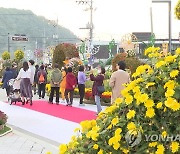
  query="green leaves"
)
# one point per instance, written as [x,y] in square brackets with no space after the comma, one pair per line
[6,55]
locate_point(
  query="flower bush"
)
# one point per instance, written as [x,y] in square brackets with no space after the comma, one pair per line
[3,118]
[150,105]
[177,10]
[131,61]
[6,55]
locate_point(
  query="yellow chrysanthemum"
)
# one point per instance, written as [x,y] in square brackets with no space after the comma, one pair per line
[129,99]
[144,97]
[118,101]
[63,148]
[150,84]
[170,58]
[116,146]
[172,104]
[160,149]
[174,147]
[150,112]
[169,92]
[152,144]
[170,84]
[131,114]
[115,121]
[164,134]
[174,73]
[95,146]
[177,51]
[118,131]
[131,126]
[149,103]
[159,105]
[100,151]
[110,126]
[160,63]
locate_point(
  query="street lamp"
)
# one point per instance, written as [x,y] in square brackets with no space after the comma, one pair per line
[170,32]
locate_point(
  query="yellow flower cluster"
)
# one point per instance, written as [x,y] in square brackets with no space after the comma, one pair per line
[131,114]
[114,141]
[177,10]
[150,101]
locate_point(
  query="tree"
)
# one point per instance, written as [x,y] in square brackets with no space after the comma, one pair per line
[64,51]
[5,55]
[19,55]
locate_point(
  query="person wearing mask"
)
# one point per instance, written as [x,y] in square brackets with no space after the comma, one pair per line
[8,74]
[81,84]
[98,81]
[118,78]
[71,82]
[42,80]
[25,83]
[36,79]
[55,80]
[63,84]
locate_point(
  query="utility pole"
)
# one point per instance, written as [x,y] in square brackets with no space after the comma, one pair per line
[8,43]
[90,25]
[170,22]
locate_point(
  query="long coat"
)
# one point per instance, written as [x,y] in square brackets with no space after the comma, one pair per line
[116,82]
[98,81]
[6,77]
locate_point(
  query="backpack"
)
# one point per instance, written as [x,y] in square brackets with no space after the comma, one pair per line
[41,78]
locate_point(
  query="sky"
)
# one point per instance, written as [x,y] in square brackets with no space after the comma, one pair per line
[111,18]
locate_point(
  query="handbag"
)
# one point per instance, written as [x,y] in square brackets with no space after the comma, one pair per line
[100,89]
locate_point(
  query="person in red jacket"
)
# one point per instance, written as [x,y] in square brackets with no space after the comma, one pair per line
[71,82]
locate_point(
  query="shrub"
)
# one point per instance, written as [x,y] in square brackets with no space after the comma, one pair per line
[3,118]
[19,55]
[64,51]
[6,55]
[150,106]
[131,62]
[177,10]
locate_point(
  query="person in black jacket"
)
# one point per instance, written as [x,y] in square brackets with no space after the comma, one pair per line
[8,74]
[42,80]
[35,79]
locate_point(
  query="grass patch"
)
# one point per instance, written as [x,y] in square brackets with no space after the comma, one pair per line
[4,130]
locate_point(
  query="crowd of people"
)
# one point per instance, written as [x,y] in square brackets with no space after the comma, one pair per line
[64,81]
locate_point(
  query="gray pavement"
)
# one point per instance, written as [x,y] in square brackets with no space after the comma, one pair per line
[23,142]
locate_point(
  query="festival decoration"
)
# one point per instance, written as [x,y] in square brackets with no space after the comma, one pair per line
[110,47]
[87,51]
[129,43]
[29,54]
[48,54]
[38,53]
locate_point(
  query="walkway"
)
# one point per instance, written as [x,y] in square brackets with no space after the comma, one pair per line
[36,126]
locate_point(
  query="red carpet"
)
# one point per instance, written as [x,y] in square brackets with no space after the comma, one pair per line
[73,114]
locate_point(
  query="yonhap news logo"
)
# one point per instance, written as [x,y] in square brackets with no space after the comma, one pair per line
[134,137]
